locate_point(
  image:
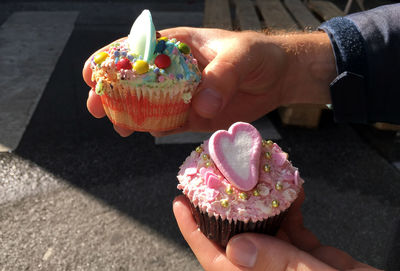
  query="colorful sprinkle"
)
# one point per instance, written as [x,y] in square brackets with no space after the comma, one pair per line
[278,186]
[267,168]
[163,38]
[124,64]
[116,53]
[171,76]
[224,203]
[275,203]
[100,57]
[124,54]
[160,47]
[162,61]
[229,190]
[266,143]
[141,66]
[179,76]
[243,196]
[184,48]
[161,79]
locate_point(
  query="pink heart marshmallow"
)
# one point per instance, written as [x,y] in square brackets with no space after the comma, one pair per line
[236,153]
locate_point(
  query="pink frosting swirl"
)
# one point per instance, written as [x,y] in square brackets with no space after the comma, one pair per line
[278,186]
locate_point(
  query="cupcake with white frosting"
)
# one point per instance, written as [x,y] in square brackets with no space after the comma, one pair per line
[146,82]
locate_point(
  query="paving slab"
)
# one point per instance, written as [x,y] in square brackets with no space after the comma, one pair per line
[31,43]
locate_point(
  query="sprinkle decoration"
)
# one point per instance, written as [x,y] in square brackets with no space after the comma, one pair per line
[275,203]
[224,203]
[160,47]
[278,186]
[162,61]
[124,64]
[266,143]
[100,57]
[184,48]
[256,192]
[268,155]
[205,157]
[267,168]
[243,196]
[229,190]
[141,66]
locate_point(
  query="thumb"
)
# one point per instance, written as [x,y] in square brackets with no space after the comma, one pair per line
[219,84]
[263,252]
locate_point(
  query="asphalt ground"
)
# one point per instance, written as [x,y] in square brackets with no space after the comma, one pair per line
[76,196]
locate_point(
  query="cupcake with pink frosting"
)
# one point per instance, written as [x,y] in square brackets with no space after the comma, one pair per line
[237,182]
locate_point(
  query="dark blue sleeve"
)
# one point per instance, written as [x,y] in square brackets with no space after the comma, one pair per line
[367,52]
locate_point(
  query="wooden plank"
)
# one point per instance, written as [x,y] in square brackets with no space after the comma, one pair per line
[246,15]
[302,15]
[387,126]
[325,9]
[305,115]
[217,14]
[275,15]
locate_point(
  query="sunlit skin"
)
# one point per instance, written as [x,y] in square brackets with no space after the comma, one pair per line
[245,75]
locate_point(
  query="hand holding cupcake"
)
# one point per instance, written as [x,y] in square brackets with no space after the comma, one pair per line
[145,82]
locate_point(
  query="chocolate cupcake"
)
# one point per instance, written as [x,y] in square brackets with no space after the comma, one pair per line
[236,182]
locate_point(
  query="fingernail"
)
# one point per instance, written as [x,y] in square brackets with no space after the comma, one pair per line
[242,251]
[208,102]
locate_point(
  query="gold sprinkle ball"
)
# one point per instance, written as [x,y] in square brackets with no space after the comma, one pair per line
[229,190]
[243,196]
[268,155]
[266,143]
[275,203]
[163,38]
[278,186]
[205,157]
[199,149]
[224,203]
[267,168]
[208,164]
[256,192]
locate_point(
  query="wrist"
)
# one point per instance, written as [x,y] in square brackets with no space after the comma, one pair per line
[310,70]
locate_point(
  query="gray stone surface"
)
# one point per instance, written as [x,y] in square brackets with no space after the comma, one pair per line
[72,230]
[30,44]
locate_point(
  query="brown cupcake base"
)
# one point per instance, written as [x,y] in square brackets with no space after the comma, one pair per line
[221,230]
